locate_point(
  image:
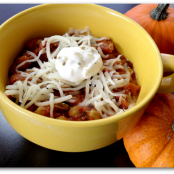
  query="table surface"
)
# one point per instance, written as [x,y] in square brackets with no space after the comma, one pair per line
[16,151]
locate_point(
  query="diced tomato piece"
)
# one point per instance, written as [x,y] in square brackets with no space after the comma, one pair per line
[133,88]
[124,103]
[15,78]
[107,46]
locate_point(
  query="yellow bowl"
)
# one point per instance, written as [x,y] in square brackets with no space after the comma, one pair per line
[50,19]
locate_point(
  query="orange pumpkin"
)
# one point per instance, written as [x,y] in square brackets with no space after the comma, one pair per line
[158,21]
[151,142]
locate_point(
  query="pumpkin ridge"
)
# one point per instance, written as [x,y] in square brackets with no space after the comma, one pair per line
[160,152]
[158,34]
[147,139]
[162,155]
[169,34]
[145,25]
[165,28]
[152,29]
[156,118]
[139,146]
[139,133]
[150,120]
[159,105]
[151,142]
[167,100]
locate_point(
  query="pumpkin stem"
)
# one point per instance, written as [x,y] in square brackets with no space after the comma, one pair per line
[160,13]
[173,126]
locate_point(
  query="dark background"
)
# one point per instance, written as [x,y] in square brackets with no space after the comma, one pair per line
[16,151]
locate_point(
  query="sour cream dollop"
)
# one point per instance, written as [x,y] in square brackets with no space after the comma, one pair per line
[76,64]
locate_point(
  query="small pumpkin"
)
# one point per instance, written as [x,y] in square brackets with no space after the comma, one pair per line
[158,21]
[151,142]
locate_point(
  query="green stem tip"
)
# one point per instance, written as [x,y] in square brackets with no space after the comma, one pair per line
[160,13]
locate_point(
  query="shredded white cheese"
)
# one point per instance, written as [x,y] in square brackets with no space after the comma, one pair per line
[40,82]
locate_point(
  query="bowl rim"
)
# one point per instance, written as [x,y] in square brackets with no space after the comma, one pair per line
[91,123]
